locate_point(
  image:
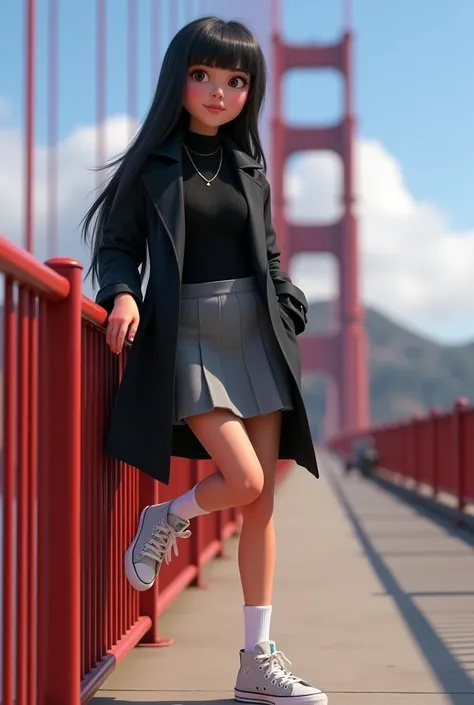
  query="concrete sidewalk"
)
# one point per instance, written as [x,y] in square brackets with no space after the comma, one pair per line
[374,603]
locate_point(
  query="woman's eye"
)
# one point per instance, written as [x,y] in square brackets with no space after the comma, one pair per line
[234,82]
[199,75]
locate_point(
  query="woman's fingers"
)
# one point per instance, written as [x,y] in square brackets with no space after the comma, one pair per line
[132,331]
[123,322]
[116,334]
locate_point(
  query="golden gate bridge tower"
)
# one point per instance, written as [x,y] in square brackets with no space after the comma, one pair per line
[341,354]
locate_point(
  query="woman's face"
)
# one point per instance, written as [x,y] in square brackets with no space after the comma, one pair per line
[214,97]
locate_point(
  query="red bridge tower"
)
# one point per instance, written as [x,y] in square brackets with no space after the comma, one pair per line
[342,355]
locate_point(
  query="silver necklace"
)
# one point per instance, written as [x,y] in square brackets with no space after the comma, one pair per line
[210,154]
[208,181]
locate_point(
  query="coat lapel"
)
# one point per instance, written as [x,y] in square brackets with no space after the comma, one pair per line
[251,184]
[164,183]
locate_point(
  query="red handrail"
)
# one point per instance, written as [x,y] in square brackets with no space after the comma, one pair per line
[92,313]
[435,451]
[22,268]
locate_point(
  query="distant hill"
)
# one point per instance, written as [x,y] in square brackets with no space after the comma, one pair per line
[408,373]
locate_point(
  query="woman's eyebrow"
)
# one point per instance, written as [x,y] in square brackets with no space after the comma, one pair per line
[207,66]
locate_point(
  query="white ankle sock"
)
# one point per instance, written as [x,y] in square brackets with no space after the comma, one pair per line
[186,507]
[257,625]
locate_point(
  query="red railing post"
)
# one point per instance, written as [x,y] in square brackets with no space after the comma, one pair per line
[33,502]
[25,568]
[61,431]
[458,452]
[415,431]
[220,535]
[405,443]
[197,547]
[10,406]
[395,455]
[434,459]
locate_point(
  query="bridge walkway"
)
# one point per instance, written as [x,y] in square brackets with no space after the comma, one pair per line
[374,602]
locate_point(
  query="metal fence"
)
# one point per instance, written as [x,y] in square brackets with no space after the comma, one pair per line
[436,451]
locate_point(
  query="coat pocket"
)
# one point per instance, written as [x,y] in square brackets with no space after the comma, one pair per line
[294,312]
[286,317]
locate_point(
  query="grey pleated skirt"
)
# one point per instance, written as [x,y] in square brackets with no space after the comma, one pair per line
[227,354]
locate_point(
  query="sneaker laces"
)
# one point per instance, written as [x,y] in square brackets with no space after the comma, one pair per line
[162,542]
[276,666]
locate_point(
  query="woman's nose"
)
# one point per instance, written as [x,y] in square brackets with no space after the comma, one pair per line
[217,92]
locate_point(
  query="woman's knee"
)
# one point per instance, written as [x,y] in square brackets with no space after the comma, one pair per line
[226,439]
[247,486]
[262,506]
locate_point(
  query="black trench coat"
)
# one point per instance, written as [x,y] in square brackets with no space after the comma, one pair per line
[151,215]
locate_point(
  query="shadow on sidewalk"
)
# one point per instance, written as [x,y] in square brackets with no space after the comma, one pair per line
[448,648]
[427,507]
[178,701]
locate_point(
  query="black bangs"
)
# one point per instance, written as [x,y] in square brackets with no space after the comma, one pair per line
[225,45]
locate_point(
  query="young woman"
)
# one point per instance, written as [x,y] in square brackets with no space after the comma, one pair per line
[214,369]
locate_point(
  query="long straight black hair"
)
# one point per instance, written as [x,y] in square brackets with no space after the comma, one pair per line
[207,41]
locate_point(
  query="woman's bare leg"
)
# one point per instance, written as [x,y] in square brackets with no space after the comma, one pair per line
[257,539]
[240,479]
[246,453]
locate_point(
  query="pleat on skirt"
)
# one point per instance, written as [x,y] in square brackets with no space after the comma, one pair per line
[227,354]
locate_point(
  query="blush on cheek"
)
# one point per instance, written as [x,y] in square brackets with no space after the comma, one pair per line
[239,100]
[193,94]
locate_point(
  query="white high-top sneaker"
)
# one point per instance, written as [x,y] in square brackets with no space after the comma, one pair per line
[155,539]
[264,678]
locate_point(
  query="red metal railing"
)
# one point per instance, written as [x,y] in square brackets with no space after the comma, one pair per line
[32,291]
[436,451]
[69,512]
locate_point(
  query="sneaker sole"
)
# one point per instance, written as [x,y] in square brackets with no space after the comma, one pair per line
[261,699]
[130,571]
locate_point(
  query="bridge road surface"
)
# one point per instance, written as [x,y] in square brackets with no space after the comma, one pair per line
[374,603]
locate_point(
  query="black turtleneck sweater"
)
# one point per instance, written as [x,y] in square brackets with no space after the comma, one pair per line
[216,216]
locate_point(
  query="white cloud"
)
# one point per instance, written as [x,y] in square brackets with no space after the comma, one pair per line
[77,183]
[414,267]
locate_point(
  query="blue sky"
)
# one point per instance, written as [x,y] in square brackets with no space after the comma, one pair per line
[414,80]
[414,68]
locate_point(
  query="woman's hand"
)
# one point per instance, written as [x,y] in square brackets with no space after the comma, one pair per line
[123,322]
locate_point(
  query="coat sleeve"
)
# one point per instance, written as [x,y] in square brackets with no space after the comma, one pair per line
[290,296]
[122,248]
